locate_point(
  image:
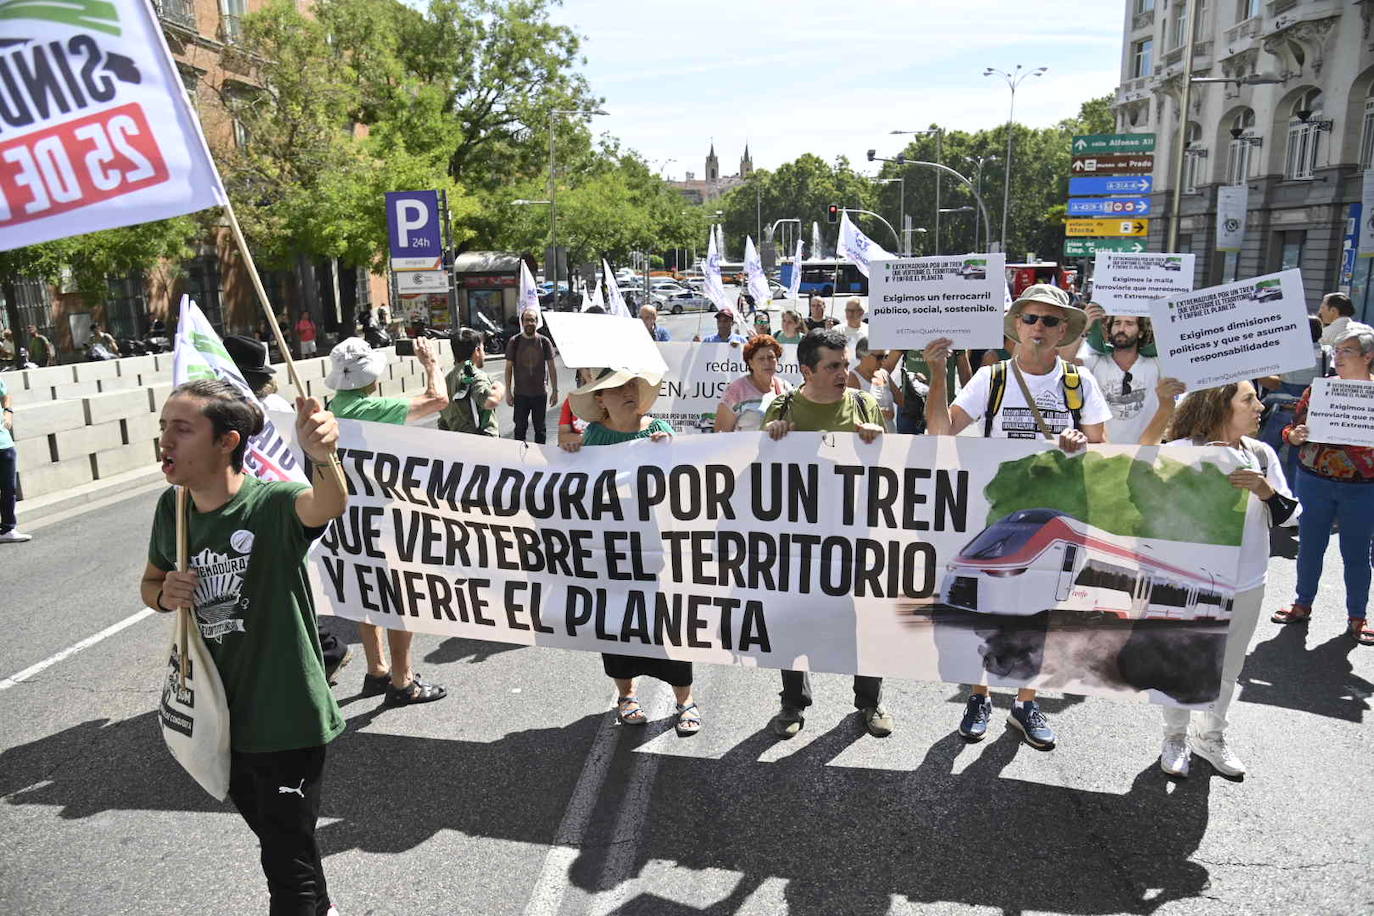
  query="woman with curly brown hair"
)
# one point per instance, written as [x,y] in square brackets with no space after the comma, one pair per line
[743,405]
[1226,417]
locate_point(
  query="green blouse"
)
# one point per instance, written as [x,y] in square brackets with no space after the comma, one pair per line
[596,434]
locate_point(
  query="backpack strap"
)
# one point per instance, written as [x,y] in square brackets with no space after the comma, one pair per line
[997,388]
[1073,393]
[863,407]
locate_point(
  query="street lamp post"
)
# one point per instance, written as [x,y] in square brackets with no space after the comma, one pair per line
[939,133]
[1014,79]
[943,169]
[553,188]
[977,162]
[901,209]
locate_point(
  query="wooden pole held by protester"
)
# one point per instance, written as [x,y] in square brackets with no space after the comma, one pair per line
[335,470]
[183,565]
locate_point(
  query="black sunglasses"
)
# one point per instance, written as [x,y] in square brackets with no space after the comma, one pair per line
[1049,321]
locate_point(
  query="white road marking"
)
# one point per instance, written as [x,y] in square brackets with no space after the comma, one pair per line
[546,899]
[71,650]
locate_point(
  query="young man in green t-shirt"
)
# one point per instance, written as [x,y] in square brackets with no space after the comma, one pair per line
[355,368]
[473,395]
[826,403]
[248,590]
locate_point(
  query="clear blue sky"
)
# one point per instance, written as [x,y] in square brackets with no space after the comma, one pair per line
[831,77]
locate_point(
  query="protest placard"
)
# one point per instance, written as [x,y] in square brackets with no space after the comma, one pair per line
[697,376]
[1233,332]
[603,342]
[1341,412]
[1126,284]
[936,558]
[913,301]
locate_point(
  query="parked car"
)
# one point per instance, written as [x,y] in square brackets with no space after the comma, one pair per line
[688,301]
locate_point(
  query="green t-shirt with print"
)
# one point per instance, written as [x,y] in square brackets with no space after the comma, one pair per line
[256,613]
[6,440]
[842,416]
[355,405]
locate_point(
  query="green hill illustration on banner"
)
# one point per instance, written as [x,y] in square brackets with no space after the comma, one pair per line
[1115,494]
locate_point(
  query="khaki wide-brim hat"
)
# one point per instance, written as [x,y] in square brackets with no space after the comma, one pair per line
[582,401]
[1048,295]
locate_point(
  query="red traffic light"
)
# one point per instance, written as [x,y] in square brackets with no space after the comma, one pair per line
[832,213]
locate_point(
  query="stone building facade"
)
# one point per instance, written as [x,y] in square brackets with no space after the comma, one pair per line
[1294,121]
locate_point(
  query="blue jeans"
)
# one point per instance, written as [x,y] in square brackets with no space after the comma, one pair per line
[1352,504]
[9,483]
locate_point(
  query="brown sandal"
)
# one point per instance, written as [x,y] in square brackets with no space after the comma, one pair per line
[1362,633]
[1295,613]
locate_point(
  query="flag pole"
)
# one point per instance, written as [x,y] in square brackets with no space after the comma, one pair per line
[185,615]
[237,230]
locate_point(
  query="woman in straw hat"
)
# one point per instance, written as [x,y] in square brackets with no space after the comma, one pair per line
[615,404]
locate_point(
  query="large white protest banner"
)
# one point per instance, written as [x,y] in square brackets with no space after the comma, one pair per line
[937,558]
[1234,332]
[97,130]
[1126,283]
[697,376]
[854,246]
[1341,412]
[912,301]
[1233,201]
[199,353]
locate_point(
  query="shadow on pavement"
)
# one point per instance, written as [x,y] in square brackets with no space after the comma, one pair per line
[1282,671]
[843,839]
[473,651]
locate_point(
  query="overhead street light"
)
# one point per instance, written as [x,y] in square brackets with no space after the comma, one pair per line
[901,159]
[901,209]
[939,133]
[1013,79]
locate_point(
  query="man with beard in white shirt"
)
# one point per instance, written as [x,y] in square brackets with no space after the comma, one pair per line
[1126,378]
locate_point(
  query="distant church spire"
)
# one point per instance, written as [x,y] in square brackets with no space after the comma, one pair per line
[746,165]
[712,164]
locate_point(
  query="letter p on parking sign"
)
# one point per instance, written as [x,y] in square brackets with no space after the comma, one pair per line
[413,228]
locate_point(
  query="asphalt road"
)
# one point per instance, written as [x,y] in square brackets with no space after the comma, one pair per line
[518,794]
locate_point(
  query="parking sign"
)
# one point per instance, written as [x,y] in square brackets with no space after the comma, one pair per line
[413,230]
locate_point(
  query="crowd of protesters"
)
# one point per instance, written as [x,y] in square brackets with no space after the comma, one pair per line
[1069,374]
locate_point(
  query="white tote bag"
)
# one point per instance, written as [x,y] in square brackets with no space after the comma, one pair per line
[194,713]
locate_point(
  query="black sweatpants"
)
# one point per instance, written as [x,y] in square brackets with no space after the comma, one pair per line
[278,794]
[530,410]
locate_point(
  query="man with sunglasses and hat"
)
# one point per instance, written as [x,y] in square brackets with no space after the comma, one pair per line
[1063,402]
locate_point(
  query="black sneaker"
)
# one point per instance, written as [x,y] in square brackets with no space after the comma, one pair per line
[417,691]
[1032,724]
[787,723]
[974,724]
[331,672]
[374,685]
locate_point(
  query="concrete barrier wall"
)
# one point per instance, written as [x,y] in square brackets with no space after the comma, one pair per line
[86,422]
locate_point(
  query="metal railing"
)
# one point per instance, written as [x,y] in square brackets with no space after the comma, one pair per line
[177,12]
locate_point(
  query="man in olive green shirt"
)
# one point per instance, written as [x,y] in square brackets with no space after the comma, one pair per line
[354,372]
[41,350]
[826,403]
[473,395]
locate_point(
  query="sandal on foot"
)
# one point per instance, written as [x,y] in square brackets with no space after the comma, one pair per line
[688,720]
[1361,632]
[629,712]
[417,691]
[1294,613]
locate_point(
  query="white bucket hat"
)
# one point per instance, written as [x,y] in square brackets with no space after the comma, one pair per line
[582,401]
[353,364]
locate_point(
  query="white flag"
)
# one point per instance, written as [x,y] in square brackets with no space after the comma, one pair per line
[757,280]
[199,353]
[857,247]
[528,297]
[817,252]
[794,288]
[714,288]
[616,302]
[597,298]
[102,135]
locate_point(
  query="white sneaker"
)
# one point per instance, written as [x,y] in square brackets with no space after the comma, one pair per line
[1175,755]
[1215,750]
[14,536]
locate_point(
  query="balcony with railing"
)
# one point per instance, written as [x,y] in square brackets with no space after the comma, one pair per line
[231,28]
[180,13]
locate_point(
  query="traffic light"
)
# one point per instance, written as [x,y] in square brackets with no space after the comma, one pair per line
[832,213]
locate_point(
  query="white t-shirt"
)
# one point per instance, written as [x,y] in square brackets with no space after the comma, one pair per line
[851,336]
[1015,420]
[1254,542]
[880,386]
[1131,410]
